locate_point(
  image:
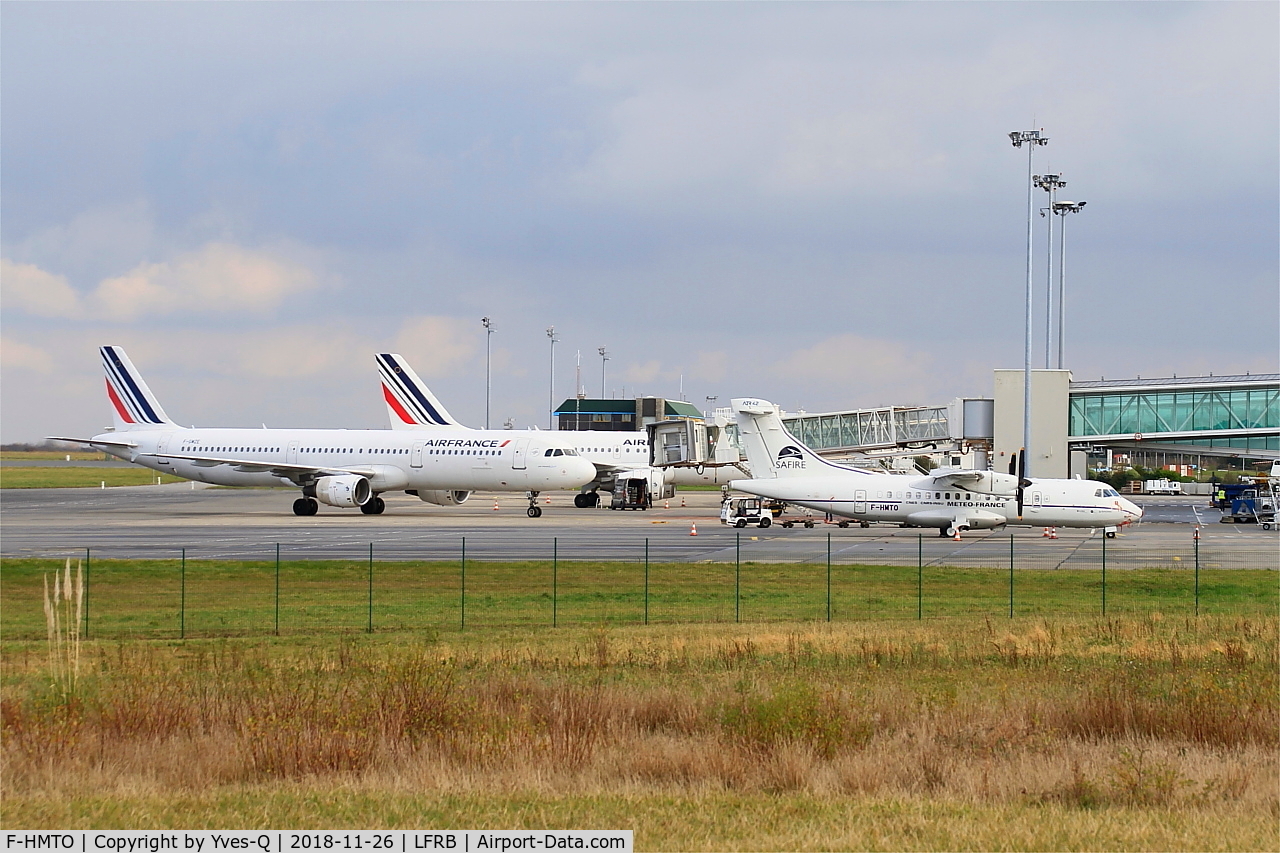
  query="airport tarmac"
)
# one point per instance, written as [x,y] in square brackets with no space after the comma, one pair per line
[213,523]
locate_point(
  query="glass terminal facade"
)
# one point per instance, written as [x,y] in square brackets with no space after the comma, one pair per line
[1244,418]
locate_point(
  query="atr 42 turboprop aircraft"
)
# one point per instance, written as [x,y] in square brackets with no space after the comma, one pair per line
[951,500]
[338,467]
[616,455]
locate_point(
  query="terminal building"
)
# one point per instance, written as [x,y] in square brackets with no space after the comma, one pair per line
[1185,424]
[1214,422]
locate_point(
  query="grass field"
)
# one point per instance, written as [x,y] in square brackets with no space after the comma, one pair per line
[1135,732]
[161,599]
[69,478]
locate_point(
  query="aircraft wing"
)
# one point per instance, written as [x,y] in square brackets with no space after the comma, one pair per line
[92,441]
[957,476]
[296,473]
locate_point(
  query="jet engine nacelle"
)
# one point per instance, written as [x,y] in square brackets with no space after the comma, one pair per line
[445,497]
[343,490]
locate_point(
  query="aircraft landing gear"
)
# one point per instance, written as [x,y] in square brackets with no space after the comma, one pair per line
[374,506]
[305,506]
[585,500]
[534,511]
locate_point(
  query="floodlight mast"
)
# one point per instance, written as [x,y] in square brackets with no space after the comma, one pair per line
[1062,208]
[604,360]
[1029,138]
[1050,184]
[551,393]
[488,333]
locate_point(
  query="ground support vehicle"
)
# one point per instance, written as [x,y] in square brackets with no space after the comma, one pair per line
[740,512]
[1255,505]
[631,492]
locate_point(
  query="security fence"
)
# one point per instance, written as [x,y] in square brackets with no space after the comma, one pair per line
[471,583]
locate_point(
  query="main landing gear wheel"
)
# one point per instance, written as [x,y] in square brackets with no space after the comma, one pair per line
[374,506]
[534,511]
[305,506]
[582,500]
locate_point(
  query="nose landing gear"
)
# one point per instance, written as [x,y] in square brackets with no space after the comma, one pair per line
[534,511]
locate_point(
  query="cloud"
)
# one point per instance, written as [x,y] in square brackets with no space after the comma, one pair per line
[35,291]
[218,278]
[15,354]
[435,346]
[852,370]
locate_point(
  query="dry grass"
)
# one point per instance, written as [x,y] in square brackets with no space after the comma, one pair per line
[1147,716]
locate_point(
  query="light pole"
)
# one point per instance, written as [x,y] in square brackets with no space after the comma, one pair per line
[1050,184]
[488,333]
[551,393]
[604,359]
[1029,138]
[1062,208]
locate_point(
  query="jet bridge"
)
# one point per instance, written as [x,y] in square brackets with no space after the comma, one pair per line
[963,425]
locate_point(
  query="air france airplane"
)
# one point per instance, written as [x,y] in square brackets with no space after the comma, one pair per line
[951,500]
[337,467]
[616,455]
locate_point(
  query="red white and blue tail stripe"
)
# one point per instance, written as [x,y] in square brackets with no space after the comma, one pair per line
[133,406]
[410,404]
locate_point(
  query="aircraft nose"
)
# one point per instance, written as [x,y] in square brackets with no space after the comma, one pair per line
[1132,508]
[581,471]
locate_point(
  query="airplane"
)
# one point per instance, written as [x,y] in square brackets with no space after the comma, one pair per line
[336,467]
[618,456]
[949,499]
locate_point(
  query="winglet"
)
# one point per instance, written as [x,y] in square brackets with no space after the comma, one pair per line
[410,403]
[133,406]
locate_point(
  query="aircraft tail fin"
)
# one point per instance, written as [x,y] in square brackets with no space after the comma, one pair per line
[133,406]
[771,450]
[410,403]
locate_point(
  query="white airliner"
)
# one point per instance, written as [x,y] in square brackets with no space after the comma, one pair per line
[338,467]
[951,500]
[616,455]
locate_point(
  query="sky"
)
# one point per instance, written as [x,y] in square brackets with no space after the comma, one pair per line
[813,203]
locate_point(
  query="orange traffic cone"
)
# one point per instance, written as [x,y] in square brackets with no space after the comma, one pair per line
[495,504]
[547,500]
[693,529]
[1045,534]
[682,500]
[1053,533]
[666,504]
[957,536]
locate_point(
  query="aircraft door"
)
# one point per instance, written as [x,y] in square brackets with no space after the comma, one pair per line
[162,447]
[860,500]
[1036,500]
[517,455]
[291,455]
[617,451]
[415,455]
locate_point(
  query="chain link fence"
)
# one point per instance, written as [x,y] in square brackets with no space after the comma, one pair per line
[467,583]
